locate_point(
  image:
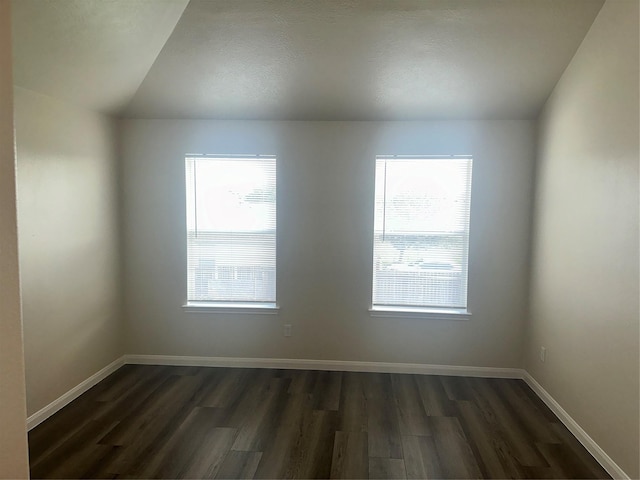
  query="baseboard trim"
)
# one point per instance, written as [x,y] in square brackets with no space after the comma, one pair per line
[62,401]
[334,365]
[583,437]
[338,365]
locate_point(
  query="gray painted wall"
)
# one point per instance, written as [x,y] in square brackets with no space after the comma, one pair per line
[13,438]
[325,221]
[584,297]
[69,258]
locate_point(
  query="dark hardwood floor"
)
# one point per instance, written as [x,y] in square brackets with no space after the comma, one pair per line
[193,422]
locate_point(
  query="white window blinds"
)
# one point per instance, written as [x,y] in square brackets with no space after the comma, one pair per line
[231,229]
[421,232]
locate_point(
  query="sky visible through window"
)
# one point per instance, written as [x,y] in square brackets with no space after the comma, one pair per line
[421,195]
[232,195]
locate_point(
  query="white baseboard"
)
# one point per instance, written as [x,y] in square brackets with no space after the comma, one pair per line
[336,365]
[58,404]
[583,437]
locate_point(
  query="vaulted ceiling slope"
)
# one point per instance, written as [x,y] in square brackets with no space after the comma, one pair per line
[300,59]
[94,53]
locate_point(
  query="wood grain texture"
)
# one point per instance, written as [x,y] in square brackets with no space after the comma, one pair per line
[197,422]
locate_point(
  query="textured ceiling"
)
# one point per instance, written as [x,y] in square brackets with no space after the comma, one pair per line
[301,59]
[364,59]
[90,52]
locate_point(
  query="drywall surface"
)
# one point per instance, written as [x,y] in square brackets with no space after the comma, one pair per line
[343,60]
[325,241]
[13,417]
[584,300]
[90,52]
[67,215]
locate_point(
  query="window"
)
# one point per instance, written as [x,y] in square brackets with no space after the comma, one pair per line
[231,231]
[421,233]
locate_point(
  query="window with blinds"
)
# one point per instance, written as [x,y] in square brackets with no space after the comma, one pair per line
[231,230]
[421,232]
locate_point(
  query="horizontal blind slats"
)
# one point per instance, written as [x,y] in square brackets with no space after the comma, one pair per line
[421,232]
[231,229]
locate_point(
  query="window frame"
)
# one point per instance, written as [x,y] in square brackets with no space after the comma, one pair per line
[422,311]
[229,306]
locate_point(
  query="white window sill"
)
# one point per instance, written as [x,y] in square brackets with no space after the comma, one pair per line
[240,308]
[419,312]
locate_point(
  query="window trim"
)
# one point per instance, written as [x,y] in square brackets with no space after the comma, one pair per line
[222,306]
[232,307]
[393,311]
[424,311]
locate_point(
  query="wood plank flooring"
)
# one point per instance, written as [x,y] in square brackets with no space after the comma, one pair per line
[193,422]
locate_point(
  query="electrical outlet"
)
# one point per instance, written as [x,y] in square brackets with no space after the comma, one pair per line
[287,330]
[543,354]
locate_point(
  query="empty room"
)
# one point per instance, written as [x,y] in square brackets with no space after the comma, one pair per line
[319,239]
